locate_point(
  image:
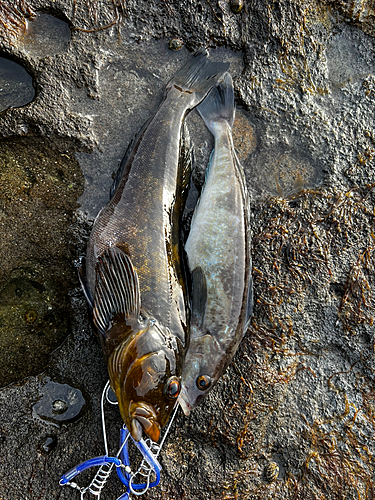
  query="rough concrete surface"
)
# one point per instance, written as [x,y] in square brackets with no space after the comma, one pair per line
[294,415]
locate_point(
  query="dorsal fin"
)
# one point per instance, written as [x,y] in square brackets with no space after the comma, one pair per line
[116,288]
[182,188]
[199,297]
[129,154]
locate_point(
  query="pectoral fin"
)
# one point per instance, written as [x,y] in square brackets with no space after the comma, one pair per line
[116,288]
[199,297]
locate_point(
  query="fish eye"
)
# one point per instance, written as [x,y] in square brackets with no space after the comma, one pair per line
[203,382]
[172,388]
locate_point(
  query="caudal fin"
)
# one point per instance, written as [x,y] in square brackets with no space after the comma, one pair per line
[198,75]
[219,104]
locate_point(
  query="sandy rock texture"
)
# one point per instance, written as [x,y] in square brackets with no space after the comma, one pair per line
[294,415]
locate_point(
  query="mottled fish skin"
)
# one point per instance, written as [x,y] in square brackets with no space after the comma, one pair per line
[140,220]
[218,251]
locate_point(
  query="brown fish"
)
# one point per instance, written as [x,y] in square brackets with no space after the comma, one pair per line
[133,266]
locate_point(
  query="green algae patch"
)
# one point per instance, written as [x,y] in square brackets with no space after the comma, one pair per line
[34,320]
[39,185]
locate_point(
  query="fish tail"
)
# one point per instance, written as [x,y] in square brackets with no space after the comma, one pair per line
[219,104]
[198,75]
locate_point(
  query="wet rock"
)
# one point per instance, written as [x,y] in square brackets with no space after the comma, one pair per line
[40,184]
[28,336]
[39,188]
[60,403]
[300,390]
[45,35]
[244,136]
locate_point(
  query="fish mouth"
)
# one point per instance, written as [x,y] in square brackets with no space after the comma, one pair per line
[183,401]
[143,418]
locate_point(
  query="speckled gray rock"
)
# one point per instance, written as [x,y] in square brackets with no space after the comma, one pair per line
[299,397]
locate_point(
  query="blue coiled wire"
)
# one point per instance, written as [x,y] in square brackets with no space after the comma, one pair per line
[120,463]
[92,462]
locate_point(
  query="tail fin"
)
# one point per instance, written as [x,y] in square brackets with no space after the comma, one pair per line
[219,104]
[198,75]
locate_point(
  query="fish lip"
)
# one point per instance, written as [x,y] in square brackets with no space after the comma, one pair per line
[143,415]
[136,430]
[183,401]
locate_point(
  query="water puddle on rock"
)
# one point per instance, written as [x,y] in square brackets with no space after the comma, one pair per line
[282,170]
[45,35]
[16,85]
[348,58]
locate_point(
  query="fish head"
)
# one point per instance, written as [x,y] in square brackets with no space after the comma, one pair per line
[195,384]
[201,371]
[148,380]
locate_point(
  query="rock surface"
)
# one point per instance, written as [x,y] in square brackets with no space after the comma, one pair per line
[293,416]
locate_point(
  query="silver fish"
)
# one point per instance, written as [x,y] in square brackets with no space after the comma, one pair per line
[218,252]
[133,268]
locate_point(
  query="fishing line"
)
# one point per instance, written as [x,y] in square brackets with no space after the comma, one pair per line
[149,465]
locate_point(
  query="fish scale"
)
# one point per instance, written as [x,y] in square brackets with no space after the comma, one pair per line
[142,225]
